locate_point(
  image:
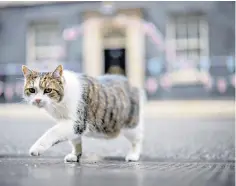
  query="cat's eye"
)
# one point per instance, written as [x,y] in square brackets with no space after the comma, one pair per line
[32,90]
[47,90]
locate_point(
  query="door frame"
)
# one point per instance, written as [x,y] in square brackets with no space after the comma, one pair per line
[134,43]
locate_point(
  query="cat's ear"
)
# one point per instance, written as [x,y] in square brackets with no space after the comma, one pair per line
[26,71]
[57,73]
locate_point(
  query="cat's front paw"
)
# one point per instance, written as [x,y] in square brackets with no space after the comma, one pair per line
[36,150]
[69,158]
[132,156]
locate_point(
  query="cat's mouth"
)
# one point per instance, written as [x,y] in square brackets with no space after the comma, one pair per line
[39,105]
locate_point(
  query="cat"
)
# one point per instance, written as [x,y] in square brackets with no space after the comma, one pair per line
[103,107]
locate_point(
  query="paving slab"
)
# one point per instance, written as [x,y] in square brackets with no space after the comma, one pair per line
[37,172]
[178,152]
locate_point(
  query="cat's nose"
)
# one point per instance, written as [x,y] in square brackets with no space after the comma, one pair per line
[38,100]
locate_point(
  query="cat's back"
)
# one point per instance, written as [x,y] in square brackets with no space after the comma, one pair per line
[109,79]
[116,86]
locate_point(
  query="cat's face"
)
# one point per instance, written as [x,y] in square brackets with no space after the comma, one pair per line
[43,88]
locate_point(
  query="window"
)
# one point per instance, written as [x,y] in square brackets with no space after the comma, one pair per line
[188,37]
[43,42]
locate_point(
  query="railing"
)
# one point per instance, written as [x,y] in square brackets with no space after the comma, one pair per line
[209,79]
[214,79]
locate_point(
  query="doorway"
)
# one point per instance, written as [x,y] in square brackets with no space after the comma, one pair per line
[114,60]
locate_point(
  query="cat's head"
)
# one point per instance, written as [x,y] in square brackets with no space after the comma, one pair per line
[43,88]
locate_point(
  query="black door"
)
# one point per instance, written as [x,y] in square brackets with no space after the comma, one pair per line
[114,61]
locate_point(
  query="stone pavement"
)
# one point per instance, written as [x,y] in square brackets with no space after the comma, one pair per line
[169,139]
[179,151]
[37,172]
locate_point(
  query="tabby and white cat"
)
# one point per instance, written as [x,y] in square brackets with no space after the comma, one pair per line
[102,107]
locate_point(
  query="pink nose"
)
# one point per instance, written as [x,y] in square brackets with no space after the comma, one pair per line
[38,100]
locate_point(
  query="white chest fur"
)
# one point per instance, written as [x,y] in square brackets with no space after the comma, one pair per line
[58,111]
[67,108]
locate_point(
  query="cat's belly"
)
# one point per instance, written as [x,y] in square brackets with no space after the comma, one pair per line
[99,135]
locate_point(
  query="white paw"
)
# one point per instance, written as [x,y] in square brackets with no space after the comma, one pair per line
[36,150]
[132,156]
[71,158]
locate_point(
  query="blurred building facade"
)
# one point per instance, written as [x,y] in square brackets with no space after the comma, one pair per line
[175,50]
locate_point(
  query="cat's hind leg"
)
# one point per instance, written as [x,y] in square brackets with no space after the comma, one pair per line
[135,137]
[76,153]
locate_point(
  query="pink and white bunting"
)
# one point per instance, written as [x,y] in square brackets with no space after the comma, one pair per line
[1,88]
[221,85]
[166,82]
[151,85]
[148,28]
[19,88]
[233,81]
[8,92]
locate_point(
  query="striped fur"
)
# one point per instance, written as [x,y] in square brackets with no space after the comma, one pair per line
[111,104]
